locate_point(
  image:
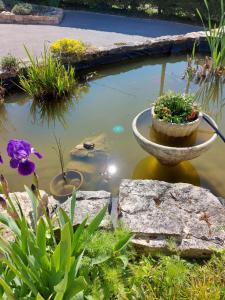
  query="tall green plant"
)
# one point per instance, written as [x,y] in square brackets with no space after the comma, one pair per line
[35,265]
[47,78]
[215,35]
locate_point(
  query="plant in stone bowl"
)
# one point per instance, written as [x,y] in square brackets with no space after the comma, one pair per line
[175,115]
[63,184]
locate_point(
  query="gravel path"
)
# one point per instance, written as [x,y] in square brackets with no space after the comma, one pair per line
[101,30]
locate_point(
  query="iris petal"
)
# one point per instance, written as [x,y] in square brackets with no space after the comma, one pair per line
[14,163]
[1,160]
[37,154]
[10,148]
[26,168]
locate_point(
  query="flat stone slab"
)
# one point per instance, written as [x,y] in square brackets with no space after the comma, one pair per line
[158,212]
[88,204]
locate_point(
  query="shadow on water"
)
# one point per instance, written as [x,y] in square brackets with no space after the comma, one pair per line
[151,168]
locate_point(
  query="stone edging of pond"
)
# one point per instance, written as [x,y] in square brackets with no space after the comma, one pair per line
[164,217]
[54,17]
[153,47]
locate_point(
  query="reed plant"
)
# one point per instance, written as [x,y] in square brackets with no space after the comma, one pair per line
[215,35]
[47,79]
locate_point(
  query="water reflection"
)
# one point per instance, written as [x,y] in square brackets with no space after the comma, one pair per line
[210,96]
[50,111]
[151,168]
[3,117]
[55,111]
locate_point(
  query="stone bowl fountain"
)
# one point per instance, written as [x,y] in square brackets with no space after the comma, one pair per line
[172,151]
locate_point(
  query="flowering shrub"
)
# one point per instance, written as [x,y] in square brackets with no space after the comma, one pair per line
[68,47]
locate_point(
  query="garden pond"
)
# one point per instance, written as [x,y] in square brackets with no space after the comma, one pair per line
[105,107]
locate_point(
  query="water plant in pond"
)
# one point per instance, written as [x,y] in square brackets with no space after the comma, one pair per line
[62,185]
[47,79]
[213,65]
[215,35]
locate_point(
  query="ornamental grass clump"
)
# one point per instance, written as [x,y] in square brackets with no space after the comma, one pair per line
[214,64]
[68,47]
[176,108]
[47,79]
[9,63]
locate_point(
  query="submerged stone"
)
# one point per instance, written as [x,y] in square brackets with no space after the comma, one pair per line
[91,158]
[91,147]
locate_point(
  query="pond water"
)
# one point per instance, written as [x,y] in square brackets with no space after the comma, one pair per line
[106,106]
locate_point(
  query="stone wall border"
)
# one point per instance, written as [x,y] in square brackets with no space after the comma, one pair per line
[153,47]
[53,19]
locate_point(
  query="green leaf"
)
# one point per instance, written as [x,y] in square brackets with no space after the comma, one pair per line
[72,206]
[100,259]
[34,202]
[62,254]
[64,218]
[10,223]
[77,286]
[39,297]
[76,244]
[60,288]
[7,289]
[97,220]
[41,238]
[124,260]
[123,242]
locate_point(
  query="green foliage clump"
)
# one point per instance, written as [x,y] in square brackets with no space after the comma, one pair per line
[169,278]
[2,6]
[48,79]
[215,34]
[109,276]
[9,63]
[22,9]
[175,108]
[104,4]
[49,262]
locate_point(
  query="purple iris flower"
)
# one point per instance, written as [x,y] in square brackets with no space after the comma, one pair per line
[20,151]
[1,160]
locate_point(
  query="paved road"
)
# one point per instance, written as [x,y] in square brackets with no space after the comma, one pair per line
[101,30]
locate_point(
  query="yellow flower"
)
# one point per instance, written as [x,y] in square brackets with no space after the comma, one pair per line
[68,46]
